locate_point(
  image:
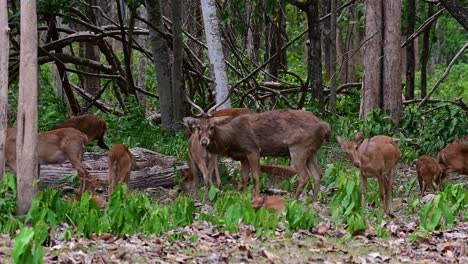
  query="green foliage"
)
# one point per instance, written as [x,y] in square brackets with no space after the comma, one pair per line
[8,223]
[346,202]
[300,216]
[27,248]
[445,206]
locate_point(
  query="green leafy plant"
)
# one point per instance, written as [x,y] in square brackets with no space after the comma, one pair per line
[27,247]
[300,216]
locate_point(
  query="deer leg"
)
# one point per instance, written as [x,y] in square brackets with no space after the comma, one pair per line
[205,172]
[211,168]
[101,143]
[383,189]
[245,169]
[299,162]
[216,170]
[195,175]
[254,161]
[363,179]
[315,170]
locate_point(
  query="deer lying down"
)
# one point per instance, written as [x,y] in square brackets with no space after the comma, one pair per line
[93,126]
[274,201]
[275,133]
[376,157]
[121,164]
[202,161]
[454,158]
[429,173]
[55,146]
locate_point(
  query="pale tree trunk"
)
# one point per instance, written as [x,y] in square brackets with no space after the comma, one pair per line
[352,44]
[4,51]
[410,59]
[177,65]
[162,63]
[91,84]
[391,88]
[26,139]
[253,34]
[215,52]
[370,95]
[142,61]
[332,49]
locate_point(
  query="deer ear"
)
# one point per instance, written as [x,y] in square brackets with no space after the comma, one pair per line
[189,121]
[339,139]
[359,137]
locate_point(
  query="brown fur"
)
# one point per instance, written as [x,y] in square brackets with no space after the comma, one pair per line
[93,126]
[274,133]
[454,158]
[279,171]
[202,161]
[275,202]
[375,157]
[121,164]
[54,147]
[429,173]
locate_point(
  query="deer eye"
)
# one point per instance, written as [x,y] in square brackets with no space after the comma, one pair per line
[211,128]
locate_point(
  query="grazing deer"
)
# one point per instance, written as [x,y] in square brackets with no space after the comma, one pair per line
[93,126]
[429,173]
[202,161]
[276,133]
[121,164]
[274,201]
[55,146]
[453,158]
[375,157]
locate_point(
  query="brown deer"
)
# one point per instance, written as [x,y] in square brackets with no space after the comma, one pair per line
[202,161]
[55,146]
[429,173]
[295,133]
[376,157]
[274,201]
[453,158]
[93,126]
[121,164]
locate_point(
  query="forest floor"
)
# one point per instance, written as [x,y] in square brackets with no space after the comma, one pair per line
[203,243]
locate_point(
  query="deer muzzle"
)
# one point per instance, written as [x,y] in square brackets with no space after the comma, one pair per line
[357,164]
[204,142]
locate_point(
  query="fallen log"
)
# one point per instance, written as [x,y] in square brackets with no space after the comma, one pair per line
[153,170]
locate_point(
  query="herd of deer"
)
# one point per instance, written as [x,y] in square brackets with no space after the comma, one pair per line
[245,136]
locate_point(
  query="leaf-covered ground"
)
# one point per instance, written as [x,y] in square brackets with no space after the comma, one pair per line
[203,243]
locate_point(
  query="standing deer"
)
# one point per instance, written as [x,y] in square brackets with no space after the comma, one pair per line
[93,126]
[429,173]
[55,146]
[376,157]
[121,164]
[276,133]
[202,161]
[453,158]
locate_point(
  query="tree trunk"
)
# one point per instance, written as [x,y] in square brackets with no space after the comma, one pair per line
[142,62]
[215,52]
[332,48]
[253,34]
[91,84]
[4,53]
[371,97]
[126,45]
[162,63]
[391,87]
[315,54]
[177,65]
[26,142]
[457,10]
[326,39]
[410,58]
[425,52]
[352,44]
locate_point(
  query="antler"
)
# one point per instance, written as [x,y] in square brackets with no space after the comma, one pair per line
[193,104]
[220,103]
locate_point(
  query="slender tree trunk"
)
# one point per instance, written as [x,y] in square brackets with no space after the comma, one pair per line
[326,38]
[26,139]
[215,51]
[458,10]
[410,58]
[126,47]
[315,54]
[392,65]
[371,97]
[425,52]
[162,63]
[91,84]
[177,65]
[352,44]
[333,56]
[142,62]
[4,51]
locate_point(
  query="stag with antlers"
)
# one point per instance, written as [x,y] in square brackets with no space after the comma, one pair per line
[276,133]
